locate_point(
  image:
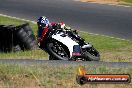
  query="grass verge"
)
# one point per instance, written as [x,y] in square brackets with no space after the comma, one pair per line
[129,1]
[116,2]
[45,76]
[111,49]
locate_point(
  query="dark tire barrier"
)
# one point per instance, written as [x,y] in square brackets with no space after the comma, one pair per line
[28,30]
[6,38]
[16,38]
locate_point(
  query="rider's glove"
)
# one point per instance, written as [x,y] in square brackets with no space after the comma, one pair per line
[75,31]
[62,25]
[67,28]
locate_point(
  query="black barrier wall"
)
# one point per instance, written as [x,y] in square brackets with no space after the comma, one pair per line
[16,38]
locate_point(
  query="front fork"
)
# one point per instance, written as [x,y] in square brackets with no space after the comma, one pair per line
[78,52]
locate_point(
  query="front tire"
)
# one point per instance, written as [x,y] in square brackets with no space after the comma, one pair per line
[91,54]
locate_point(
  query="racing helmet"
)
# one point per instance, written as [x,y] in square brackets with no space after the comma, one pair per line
[43,21]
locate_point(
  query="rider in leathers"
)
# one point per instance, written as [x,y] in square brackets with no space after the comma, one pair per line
[44,25]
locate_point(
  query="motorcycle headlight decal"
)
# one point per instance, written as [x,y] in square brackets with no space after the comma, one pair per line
[76,50]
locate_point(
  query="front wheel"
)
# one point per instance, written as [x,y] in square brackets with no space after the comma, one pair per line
[57,51]
[91,54]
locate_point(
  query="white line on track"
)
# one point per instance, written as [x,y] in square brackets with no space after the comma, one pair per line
[17,18]
[81,31]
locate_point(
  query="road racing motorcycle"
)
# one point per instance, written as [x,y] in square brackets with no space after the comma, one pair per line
[68,45]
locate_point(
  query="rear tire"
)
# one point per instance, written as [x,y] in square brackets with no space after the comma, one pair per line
[52,58]
[53,54]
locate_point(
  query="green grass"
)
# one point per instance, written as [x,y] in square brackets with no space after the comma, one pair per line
[126,2]
[45,76]
[33,54]
[129,1]
[111,49]
[12,21]
[105,43]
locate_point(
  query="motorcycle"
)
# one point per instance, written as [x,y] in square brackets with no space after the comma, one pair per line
[68,45]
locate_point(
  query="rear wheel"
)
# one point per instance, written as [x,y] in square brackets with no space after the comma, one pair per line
[52,58]
[57,51]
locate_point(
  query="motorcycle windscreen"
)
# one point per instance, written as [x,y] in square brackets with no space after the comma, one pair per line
[76,50]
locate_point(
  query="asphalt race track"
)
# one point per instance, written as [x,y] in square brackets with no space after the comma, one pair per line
[94,18]
[26,62]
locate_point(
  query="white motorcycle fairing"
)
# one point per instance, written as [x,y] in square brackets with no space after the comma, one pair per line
[67,41]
